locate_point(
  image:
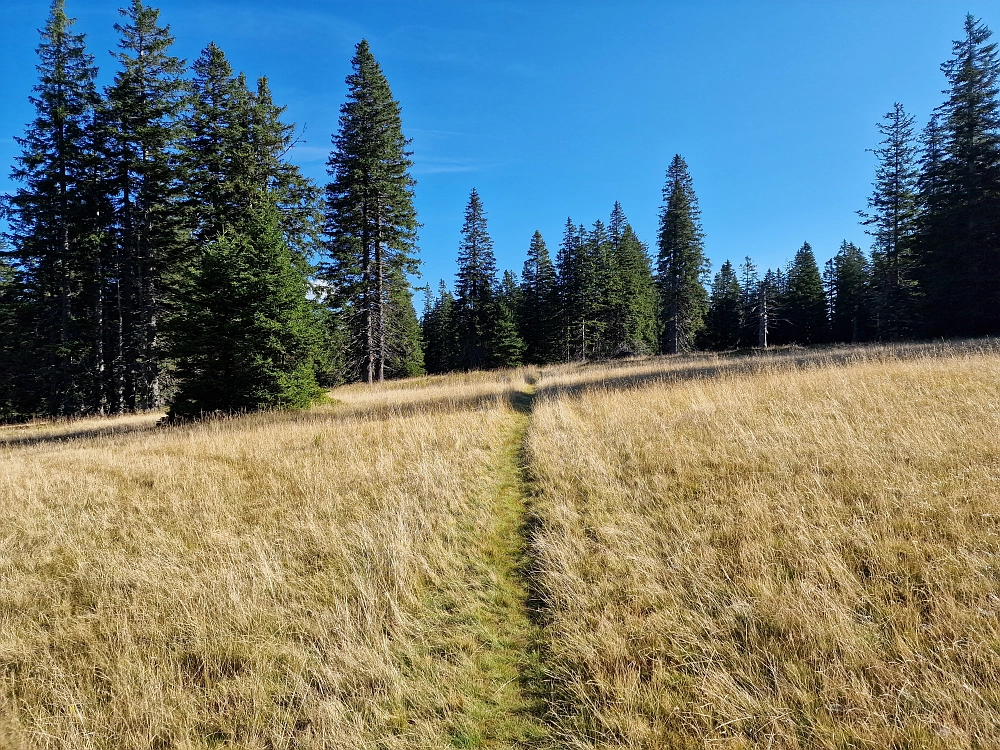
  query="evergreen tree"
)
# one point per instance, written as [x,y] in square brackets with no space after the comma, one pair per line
[145,102]
[538,307]
[724,320]
[440,332]
[406,355]
[506,345]
[55,225]
[248,338]
[474,287]
[681,262]
[804,304]
[960,238]
[576,282]
[750,312]
[630,296]
[848,291]
[892,222]
[371,224]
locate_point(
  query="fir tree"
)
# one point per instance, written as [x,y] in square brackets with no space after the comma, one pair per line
[439,330]
[681,262]
[506,345]
[630,300]
[474,287]
[578,290]
[724,320]
[54,221]
[145,102]
[804,304]
[750,312]
[892,222]
[848,290]
[248,338]
[371,224]
[538,308]
[406,356]
[960,238]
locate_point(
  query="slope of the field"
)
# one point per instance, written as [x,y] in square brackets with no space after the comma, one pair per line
[340,578]
[796,553]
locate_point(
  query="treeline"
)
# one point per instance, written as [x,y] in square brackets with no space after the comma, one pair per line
[162,249]
[933,269]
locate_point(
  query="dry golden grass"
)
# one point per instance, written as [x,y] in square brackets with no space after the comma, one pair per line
[801,557]
[340,578]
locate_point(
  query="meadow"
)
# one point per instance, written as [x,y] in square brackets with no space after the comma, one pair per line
[791,550]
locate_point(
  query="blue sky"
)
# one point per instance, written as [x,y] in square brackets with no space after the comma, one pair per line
[555,109]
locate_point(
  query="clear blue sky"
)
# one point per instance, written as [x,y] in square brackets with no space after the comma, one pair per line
[556,109]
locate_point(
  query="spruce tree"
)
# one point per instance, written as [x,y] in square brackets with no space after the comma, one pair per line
[248,338]
[144,105]
[893,211]
[371,224]
[724,320]
[681,263]
[538,306]
[804,305]
[630,300]
[578,290]
[849,292]
[55,225]
[406,356]
[439,331]
[749,303]
[960,237]
[474,288]
[506,345]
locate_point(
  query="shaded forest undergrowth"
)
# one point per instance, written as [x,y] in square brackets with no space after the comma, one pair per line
[585,555]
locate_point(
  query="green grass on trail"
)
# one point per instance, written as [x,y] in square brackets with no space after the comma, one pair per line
[480,637]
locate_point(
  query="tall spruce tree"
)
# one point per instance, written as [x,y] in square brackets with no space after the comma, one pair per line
[960,237]
[145,102]
[724,320]
[475,284]
[371,224]
[55,225]
[750,312]
[892,216]
[681,263]
[804,305]
[538,304]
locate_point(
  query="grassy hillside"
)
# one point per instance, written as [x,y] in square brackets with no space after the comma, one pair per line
[788,551]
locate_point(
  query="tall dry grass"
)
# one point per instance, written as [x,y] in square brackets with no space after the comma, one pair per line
[271,581]
[791,554]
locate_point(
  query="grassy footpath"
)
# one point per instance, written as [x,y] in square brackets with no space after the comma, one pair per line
[478,635]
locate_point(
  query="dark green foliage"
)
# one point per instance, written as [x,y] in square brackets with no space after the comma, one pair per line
[371,224]
[248,338]
[474,288]
[55,224]
[803,301]
[892,222]
[751,311]
[538,308]
[440,331]
[724,320]
[578,290]
[144,106]
[506,345]
[848,282]
[681,263]
[630,303]
[960,230]
[406,347]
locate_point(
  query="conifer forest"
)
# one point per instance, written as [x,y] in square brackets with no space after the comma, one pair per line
[163,250]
